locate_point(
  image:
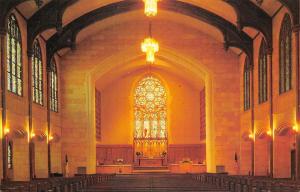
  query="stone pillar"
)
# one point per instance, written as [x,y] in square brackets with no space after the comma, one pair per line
[297,140]
[49,118]
[271,148]
[3,103]
[31,142]
[252,120]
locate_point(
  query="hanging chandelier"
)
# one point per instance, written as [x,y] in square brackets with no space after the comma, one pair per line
[150,47]
[150,7]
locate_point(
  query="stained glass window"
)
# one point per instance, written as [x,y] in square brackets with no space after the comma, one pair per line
[14,57]
[262,73]
[37,74]
[10,155]
[150,117]
[285,56]
[53,87]
[247,72]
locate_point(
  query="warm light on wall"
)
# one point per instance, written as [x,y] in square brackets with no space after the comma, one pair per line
[251,136]
[295,128]
[269,133]
[150,7]
[32,135]
[150,47]
[51,138]
[6,131]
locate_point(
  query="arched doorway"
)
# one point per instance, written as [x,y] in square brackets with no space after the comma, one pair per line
[150,111]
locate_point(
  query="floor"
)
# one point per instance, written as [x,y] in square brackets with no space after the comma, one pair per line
[154,183]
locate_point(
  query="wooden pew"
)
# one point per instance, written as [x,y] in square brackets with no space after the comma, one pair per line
[59,184]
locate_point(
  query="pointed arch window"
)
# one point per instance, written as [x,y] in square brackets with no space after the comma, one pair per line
[37,74]
[14,57]
[285,55]
[263,73]
[53,87]
[247,71]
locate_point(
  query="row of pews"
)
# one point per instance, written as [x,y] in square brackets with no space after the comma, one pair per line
[248,183]
[56,184]
[154,182]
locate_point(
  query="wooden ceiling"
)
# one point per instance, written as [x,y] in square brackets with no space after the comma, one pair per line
[59,21]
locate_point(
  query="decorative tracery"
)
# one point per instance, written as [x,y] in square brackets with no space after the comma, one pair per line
[150,117]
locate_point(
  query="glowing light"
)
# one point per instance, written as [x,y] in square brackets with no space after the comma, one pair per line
[295,128]
[6,131]
[251,136]
[51,138]
[150,7]
[269,132]
[32,135]
[150,47]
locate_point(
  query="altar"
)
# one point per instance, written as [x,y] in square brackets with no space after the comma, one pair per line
[151,162]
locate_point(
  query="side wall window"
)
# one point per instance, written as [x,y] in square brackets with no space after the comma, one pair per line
[14,57]
[247,72]
[285,55]
[37,74]
[263,73]
[53,88]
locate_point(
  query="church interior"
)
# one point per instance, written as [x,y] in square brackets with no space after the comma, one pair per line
[196,94]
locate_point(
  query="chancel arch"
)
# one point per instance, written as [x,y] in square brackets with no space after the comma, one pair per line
[168,60]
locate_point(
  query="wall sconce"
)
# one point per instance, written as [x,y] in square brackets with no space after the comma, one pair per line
[6,131]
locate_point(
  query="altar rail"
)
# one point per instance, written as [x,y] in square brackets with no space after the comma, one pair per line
[249,183]
[73,184]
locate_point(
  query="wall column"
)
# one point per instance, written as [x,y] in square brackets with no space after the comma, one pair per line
[49,119]
[252,121]
[271,148]
[3,103]
[296,31]
[31,142]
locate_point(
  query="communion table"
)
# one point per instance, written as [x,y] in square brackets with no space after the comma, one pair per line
[151,162]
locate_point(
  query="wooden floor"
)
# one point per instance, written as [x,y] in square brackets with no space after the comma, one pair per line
[154,183]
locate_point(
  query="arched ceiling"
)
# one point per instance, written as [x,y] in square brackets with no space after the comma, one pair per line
[219,7]
[237,19]
[232,37]
[138,67]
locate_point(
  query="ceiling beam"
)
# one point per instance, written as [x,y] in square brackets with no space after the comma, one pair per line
[67,38]
[5,7]
[49,16]
[250,15]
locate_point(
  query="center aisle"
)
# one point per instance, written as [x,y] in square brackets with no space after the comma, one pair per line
[152,182]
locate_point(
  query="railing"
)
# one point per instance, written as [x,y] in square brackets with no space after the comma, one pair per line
[74,184]
[248,183]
